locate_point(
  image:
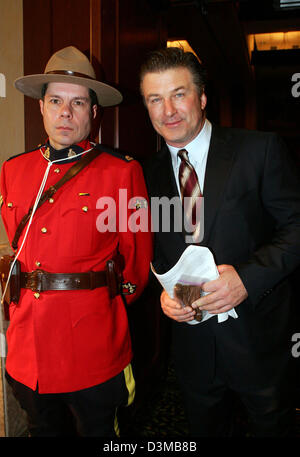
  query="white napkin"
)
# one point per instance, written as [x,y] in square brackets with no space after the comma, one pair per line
[195,266]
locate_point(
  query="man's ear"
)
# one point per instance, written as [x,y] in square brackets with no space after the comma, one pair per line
[94,111]
[203,101]
[42,106]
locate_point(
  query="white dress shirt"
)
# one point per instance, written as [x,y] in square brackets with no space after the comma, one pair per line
[197,151]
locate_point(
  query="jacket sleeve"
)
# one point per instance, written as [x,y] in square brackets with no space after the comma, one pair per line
[135,237]
[280,193]
[3,193]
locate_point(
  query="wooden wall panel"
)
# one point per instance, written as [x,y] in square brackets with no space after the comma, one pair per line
[139,33]
[37,50]
[109,57]
[70,24]
[127,31]
[49,26]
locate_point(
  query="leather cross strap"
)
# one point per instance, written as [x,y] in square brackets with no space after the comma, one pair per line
[76,168]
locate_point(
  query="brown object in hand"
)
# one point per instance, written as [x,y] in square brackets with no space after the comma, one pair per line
[187,294]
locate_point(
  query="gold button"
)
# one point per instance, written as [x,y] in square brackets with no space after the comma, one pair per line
[57,170]
[44,230]
[36,295]
[9,205]
[38,264]
[84,208]
[51,200]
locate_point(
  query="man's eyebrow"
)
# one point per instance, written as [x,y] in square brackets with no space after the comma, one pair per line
[80,97]
[152,95]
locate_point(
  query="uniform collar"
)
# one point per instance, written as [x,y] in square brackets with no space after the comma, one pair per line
[52,154]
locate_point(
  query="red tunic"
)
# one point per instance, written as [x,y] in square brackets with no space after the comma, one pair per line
[70,340]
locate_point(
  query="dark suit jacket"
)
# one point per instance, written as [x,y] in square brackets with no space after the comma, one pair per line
[251,221]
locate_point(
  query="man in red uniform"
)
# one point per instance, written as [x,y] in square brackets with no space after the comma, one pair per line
[69,346]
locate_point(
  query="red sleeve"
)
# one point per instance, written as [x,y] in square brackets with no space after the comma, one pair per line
[3,194]
[135,237]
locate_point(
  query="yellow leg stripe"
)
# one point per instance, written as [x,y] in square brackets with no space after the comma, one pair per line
[130,384]
[116,424]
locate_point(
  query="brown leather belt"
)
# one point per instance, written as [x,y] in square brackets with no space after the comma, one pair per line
[40,280]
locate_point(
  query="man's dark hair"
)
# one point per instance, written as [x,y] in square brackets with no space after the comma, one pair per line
[92,94]
[93,97]
[172,57]
[44,90]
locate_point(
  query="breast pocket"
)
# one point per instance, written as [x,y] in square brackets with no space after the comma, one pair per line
[78,234]
[15,207]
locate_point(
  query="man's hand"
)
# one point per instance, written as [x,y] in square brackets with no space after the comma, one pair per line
[226,292]
[174,310]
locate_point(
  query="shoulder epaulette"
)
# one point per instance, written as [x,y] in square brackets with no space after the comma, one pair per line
[22,153]
[114,152]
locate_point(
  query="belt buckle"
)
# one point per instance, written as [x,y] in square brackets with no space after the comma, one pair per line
[34,281]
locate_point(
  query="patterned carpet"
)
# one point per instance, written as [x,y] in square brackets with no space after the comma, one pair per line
[163,416]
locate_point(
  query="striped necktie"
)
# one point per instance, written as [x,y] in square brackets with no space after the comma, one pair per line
[190,193]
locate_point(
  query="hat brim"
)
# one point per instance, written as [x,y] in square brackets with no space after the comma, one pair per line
[31,86]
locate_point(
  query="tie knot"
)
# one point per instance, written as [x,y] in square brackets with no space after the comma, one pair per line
[183,154]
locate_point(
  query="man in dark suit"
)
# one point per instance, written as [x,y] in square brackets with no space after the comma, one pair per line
[252,227]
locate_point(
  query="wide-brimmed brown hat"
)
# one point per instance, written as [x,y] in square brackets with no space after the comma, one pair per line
[69,65]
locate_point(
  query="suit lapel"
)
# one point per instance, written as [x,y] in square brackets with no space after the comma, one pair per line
[218,167]
[164,175]
[163,184]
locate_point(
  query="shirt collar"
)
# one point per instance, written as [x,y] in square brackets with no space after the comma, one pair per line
[196,149]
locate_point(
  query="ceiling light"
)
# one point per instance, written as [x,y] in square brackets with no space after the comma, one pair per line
[274,41]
